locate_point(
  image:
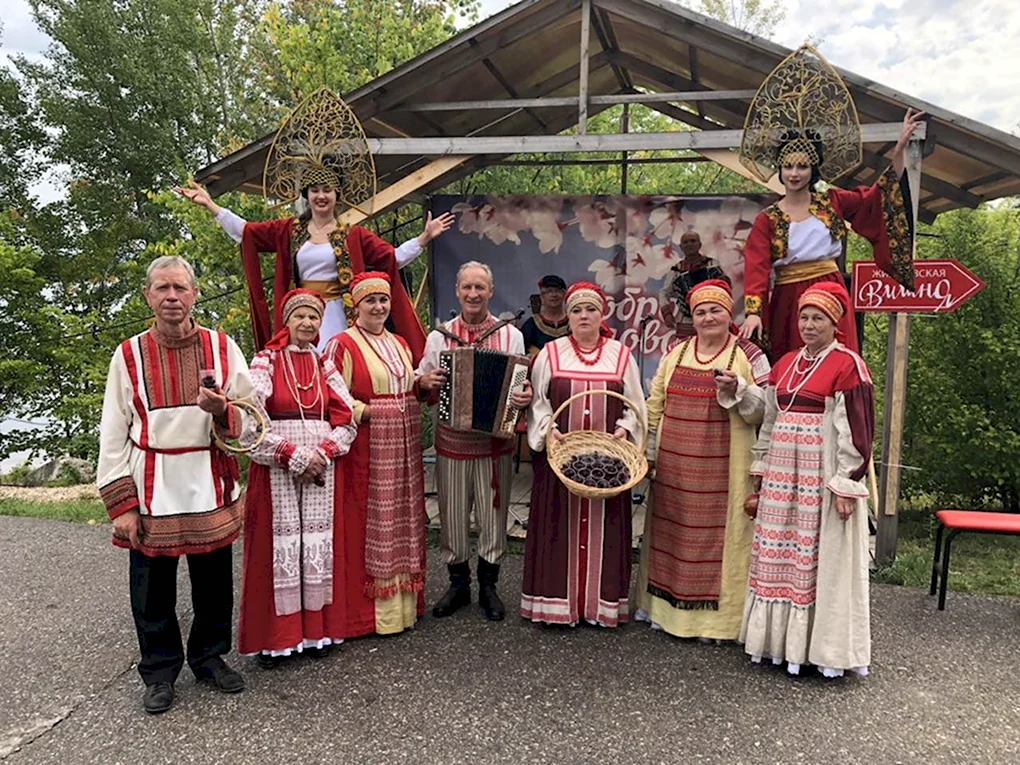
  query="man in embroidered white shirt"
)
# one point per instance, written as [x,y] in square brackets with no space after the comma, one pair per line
[472,468]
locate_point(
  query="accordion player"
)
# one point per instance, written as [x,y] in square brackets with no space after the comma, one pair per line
[476,396]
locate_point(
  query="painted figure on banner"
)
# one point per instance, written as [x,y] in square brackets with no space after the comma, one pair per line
[807,135]
[550,322]
[169,489]
[577,555]
[706,400]
[628,245]
[384,503]
[693,269]
[320,155]
[807,601]
[473,469]
[293,598]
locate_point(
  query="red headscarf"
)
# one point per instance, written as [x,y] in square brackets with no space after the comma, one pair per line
[716,291]
[711,291]
[296,298]
[586,292]
[369,283]
[831,298]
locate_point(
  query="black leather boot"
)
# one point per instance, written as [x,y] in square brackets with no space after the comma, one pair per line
[459,594]
[488,597]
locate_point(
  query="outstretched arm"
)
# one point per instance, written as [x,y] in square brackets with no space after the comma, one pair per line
[910,121]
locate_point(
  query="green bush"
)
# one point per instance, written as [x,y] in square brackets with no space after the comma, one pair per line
[962,426]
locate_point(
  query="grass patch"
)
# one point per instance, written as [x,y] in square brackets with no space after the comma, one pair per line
[981,563]
[78,511]
[985,564]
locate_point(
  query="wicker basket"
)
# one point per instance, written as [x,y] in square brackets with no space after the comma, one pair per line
[582,441]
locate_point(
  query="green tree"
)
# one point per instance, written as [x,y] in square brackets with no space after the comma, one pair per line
[759,17]
[306,44]
[131,97]
[963,411]
[22,138]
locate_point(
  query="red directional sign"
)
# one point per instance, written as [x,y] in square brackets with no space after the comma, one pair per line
[940,286]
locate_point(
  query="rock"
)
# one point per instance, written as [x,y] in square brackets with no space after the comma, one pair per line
[71,470]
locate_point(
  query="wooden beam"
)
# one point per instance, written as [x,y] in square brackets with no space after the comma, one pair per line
[569,75]
[582,86]
[605,44]
[894,409]
[692,65]
[514,144]
[391,196]
[552,102]
[601,162]
[480,162]
[611,43]
[668,18]
[454,56]
[624,164]
[936,186]
[735,110]
[494,71]
[949,134]
[686,117]
[731,161]
[984,180]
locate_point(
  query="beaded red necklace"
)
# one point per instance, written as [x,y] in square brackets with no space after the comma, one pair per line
[582,354]
[717,354]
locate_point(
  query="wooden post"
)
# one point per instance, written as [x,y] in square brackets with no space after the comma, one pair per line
[896,399]
[624,166]
[582,95]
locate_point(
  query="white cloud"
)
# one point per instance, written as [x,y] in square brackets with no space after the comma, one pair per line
[20,34]
[958,54]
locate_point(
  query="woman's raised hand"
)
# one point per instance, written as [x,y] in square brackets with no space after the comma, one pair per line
[435,227]
[197,195]
[910,121]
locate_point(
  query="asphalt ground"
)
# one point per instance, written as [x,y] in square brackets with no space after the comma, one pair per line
[944,688]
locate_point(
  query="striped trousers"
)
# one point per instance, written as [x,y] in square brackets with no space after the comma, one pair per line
[459,483]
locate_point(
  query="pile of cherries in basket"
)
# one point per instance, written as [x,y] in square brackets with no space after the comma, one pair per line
[597,470]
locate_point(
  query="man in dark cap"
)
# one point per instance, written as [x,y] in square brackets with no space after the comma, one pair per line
[550,322]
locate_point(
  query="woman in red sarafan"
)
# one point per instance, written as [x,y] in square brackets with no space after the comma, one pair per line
[382,535]
[291,598]
[798,239]
[577,555]
[320,153]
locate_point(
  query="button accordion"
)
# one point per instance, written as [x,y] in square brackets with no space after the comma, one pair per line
[476,395]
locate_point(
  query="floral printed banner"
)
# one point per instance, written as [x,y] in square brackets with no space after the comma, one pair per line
[626,244]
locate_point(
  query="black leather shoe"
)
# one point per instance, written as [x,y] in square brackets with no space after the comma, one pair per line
[488,597]
[158,697]
[268,661]
[221,677]
[319,653]
[459,593]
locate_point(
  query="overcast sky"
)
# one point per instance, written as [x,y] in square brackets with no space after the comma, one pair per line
[963,55]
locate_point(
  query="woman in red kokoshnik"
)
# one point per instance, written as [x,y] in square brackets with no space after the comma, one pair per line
[316,252]
[321,154]
[798,239]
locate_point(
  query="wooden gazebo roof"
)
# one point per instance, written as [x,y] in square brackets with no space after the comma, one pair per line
[704,72]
